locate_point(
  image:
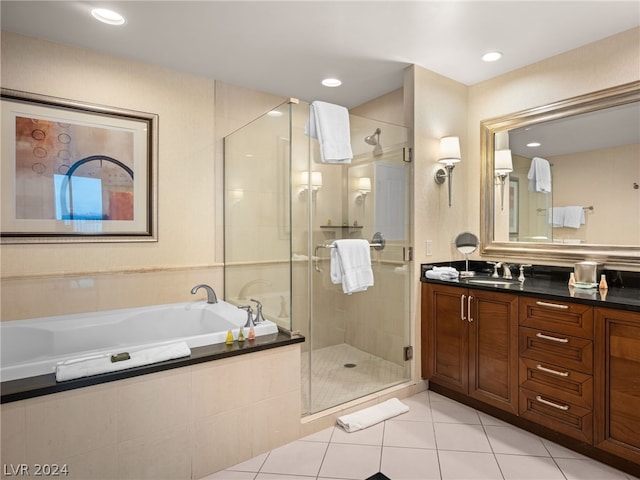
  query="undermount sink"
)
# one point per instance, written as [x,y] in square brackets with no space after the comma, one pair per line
[492,281]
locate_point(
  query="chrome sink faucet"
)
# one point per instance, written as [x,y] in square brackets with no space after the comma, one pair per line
[211,295]
[506,271]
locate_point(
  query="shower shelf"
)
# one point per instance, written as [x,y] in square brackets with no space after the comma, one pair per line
[341,226]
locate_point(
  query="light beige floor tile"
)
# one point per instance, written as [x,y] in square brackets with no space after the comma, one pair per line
[410,463]
[367,436]
[468,466]
[351,461]
[489,420]
[321,436]
[460,437]
[409,434]
[587,469]
[515,441]
[520,467]
[296,458]
[558,451]
[451,412]
[271,476]
[230,475]
[419,408]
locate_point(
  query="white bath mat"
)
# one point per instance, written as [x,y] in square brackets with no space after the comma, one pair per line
[372,415]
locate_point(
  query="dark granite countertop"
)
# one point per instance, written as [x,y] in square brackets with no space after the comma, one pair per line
[21,389]
[552,284]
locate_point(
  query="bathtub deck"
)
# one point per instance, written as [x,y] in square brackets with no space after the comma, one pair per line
[21,389]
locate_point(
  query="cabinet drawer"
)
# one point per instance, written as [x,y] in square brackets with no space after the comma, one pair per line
[553,413]
[556,316]
[564,384]
[563,351]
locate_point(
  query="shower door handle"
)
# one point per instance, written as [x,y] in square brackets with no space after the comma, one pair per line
[315,259]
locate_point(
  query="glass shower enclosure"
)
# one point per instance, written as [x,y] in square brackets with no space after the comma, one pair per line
[283,209]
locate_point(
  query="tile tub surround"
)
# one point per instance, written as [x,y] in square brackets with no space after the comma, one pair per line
[182,423]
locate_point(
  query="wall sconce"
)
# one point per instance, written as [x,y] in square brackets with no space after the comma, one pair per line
[315,184]
[364,187]
[502,165]
[449,156]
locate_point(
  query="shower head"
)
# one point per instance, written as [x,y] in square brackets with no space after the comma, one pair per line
[373,139]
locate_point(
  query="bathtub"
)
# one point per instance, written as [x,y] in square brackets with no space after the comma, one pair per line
[34,346]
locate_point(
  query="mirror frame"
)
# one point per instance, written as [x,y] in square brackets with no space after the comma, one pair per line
[610,255]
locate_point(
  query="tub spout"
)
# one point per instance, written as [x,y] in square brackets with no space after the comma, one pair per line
[211,295]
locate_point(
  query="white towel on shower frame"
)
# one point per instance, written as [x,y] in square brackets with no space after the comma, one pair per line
[329,123]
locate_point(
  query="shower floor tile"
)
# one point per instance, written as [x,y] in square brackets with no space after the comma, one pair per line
[341,373]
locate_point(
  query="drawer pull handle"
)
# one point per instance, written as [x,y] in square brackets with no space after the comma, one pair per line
[555,339]
[552,305]
[462,317]
[554,372]
[469,308]
[552,404]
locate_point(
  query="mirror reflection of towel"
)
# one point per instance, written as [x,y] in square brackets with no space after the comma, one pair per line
[539,175]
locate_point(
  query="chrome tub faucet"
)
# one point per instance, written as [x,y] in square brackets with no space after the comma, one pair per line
[211,295]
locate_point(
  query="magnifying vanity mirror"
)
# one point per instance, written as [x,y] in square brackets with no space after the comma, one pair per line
[560,182]
[466,243]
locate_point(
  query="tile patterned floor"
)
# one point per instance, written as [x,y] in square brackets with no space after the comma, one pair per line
[437,439]
[335,384]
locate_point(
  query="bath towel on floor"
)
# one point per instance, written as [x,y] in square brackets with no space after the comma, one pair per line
[372,415]
[84,367]
[573,216]
[351,265]
[329,123]
[539,175]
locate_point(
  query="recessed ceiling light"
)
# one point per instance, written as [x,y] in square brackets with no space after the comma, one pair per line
[331,82]
[533,144]
[492,56]
[107,16]
[275,113]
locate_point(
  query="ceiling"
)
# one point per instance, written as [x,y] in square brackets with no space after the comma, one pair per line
[288,47]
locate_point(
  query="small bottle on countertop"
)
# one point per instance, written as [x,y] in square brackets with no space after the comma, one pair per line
[229,340]
[241,335]
[252,334]
[603,282]
[572,279]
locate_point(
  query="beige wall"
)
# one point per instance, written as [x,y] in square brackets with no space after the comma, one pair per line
[64,278]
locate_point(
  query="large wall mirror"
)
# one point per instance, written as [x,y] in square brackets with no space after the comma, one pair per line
[561,182]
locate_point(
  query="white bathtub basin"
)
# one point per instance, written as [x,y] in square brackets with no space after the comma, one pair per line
[34,347]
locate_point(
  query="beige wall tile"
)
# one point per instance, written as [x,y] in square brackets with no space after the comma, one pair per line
[100,464]
[70,423]
[275,422]
[151,403]
[165,454]
[13,433]
[220,441]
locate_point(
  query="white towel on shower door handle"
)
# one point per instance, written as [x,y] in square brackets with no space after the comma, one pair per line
[84,367]
[351,265]
[372,415]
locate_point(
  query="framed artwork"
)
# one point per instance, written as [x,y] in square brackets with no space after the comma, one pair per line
[76,172]
[514,192]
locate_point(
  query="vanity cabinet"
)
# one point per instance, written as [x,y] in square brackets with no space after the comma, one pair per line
[617,389]
[556,366]
[469,340]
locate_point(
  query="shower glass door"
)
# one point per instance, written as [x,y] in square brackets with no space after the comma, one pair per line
[356,343]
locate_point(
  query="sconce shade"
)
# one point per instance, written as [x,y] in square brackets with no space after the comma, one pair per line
[364,184]
[502,162]
[449,150]
[316,180]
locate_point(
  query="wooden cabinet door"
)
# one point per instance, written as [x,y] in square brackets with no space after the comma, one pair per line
[493,348]
[445,336]
[617,382]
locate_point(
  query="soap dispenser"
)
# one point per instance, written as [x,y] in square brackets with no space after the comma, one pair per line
[603,282]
